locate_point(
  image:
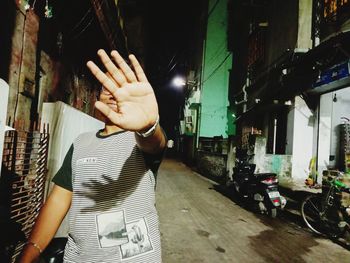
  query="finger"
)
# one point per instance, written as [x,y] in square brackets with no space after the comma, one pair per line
[104,90]
[102,77]
[108,112]
[140,74]
[112,79]
[124,67]
[113,71]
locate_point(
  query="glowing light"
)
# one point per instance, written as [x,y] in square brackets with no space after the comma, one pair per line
[179,82]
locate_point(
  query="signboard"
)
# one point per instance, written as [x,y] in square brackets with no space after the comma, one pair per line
[337,72]
[4,93]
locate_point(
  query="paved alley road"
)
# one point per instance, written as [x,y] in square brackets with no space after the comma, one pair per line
[199,224]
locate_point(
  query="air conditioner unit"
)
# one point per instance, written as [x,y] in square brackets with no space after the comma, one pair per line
[188,119]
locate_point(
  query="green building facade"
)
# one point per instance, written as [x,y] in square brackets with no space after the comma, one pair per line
[217,115]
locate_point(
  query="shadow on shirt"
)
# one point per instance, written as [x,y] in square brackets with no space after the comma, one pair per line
[109,192]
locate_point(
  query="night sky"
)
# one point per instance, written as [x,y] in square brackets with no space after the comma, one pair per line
[169,44]
[171,31]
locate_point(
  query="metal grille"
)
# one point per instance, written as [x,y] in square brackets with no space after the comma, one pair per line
[345,147]
[25,156]
[317,19]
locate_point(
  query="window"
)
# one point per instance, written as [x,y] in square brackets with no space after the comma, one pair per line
[277,132]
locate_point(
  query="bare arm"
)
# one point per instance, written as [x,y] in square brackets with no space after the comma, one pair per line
[47,223]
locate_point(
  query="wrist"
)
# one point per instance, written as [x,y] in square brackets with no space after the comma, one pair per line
[35,246]
[150,131]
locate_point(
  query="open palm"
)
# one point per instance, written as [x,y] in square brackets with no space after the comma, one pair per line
[136,104]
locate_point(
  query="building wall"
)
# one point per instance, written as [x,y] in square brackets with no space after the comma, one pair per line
[57,81]
[304,40]
[289,28]
[272,163]
[22,64]
[50,76]
[337,20]
[4,92]
[191,113]
[282,36]
[303,132]
[282,28]
[212,165]
[331,111]
[290,132]
[325,124]
[217,63]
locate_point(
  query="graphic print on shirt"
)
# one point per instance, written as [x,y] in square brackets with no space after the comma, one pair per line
[139,241]
[111,229]
[87,160]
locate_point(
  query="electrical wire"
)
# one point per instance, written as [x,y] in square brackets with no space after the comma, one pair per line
[213,8]
[171,60]
[175,64]
[83,30]
[81,20]
[216,69]
[71,34]
[221,48]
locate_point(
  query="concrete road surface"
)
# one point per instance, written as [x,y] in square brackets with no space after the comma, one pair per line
[199,224]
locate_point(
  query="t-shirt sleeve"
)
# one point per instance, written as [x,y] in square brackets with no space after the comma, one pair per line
[63,177]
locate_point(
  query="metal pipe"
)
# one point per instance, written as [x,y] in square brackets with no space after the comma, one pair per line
[245,99]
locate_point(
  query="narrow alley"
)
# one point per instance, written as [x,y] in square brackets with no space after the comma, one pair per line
[245,96]
[199,224]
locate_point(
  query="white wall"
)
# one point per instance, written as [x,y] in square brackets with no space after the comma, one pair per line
[194,98]
[231,157]
[290,132]
[331,111]
[281,164]
[65,124]
[305,24]
[4,94]
[341,108]
[303,133]
[324,136]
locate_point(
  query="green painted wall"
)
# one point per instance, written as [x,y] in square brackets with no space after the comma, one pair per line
[215,115]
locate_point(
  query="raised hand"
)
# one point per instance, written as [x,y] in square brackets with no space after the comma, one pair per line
[136,105]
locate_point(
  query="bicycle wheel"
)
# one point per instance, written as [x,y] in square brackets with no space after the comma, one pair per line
[311,211]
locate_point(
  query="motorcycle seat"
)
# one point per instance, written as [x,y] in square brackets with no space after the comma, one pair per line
[265,175]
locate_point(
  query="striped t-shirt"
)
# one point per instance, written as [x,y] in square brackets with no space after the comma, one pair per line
[112,217]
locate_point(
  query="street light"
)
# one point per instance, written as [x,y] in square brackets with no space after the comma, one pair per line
[179,82]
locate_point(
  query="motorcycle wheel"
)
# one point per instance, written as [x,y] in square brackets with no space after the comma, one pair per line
[236,186]
[272,212]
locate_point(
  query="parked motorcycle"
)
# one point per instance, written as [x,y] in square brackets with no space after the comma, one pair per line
[261,188]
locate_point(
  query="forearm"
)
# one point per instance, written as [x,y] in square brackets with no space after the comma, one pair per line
[154,143]
[47,223]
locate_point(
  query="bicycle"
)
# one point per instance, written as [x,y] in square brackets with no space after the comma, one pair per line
[324,213]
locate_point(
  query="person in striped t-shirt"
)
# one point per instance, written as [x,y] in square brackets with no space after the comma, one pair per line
[107,181]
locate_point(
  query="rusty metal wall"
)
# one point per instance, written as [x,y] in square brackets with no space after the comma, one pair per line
[25,156]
